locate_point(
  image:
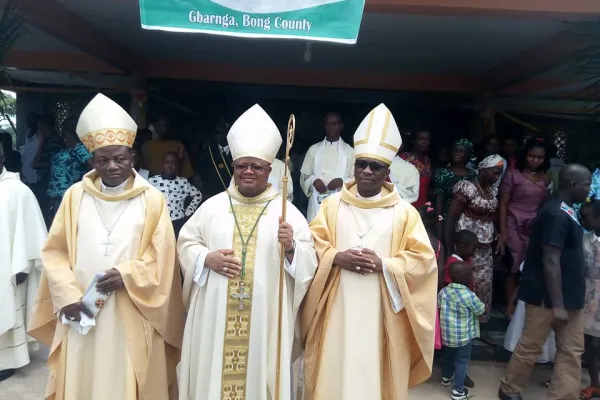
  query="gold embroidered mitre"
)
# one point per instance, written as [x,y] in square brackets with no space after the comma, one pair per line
[254,134]
[378,136]
[104,123]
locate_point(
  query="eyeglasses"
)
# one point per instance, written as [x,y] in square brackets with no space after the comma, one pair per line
[373,165]
[254,167]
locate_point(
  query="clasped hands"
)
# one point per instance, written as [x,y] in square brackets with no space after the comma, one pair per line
[110,281]
[335,184]
[362,262]
[225,263]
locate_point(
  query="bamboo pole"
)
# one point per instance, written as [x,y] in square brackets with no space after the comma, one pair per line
[288,146]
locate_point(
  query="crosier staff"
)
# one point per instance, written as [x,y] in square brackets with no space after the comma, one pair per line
[289,142]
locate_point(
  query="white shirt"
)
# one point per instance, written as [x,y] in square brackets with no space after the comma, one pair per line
[30,149]
[176,191]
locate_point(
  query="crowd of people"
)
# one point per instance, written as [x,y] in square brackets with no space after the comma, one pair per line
[392,244]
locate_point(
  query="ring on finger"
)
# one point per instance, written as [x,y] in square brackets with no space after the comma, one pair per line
[225,269]
[357,268]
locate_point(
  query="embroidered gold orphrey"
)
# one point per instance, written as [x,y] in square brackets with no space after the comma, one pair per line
[237,326]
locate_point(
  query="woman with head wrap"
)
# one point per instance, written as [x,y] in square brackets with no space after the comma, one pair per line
[446,178]
[474,208]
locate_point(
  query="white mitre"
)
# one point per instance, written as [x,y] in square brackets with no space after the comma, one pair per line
[104,123]
[378,136]
[254,134]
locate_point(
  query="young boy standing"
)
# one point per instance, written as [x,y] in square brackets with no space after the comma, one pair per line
[465,243]
[459,312]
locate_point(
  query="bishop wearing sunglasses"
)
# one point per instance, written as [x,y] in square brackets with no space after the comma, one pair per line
[373,299]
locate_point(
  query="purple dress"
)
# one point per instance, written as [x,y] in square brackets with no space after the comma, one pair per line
[525,199]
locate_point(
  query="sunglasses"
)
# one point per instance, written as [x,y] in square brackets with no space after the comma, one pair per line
[373,165]
[254,167]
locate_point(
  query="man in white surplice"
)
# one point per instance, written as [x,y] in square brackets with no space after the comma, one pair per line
[276,178]
[22,236]
[368,318]
[327,165]
[230,254]
[406,178]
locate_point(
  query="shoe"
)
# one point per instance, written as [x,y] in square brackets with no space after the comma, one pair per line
[469,382]
[504,396]
[460,395]
[448,381]
[589,393]
[5,374]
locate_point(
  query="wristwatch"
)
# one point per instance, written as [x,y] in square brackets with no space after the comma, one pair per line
[293,248]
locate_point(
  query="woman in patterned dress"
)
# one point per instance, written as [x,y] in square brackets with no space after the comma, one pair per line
[521,193]
[474,208]
[418,157]
[590,219]
[446,178]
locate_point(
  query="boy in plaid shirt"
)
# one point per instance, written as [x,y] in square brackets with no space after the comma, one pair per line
[459,309]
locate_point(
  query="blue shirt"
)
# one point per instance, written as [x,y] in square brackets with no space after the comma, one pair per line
[67,168]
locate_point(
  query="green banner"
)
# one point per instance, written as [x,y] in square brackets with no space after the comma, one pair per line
[325,20]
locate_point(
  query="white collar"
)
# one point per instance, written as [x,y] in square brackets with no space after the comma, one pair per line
[224,149]
[594,237]
[115,189]
[372,198]
[458,257]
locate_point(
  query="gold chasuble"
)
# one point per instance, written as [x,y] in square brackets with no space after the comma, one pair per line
[145,318]
[401,343]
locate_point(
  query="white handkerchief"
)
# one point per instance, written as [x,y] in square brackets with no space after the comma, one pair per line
[94,301]
[83,326]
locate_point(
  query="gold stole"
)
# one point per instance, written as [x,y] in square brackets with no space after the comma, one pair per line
[239,306]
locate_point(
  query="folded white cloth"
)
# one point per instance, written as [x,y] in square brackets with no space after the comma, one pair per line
[93,301]
[83,326]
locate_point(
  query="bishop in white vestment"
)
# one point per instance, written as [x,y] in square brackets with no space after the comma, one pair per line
[368,319]
[115,224]
[22,236]
[327,165]
[230,255]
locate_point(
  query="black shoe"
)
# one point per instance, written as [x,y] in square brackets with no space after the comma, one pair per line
[469,382]
[447,381]
[460,395]
[504,396]
[5,374]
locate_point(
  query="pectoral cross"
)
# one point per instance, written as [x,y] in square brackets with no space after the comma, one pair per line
[241,296]
[106,243]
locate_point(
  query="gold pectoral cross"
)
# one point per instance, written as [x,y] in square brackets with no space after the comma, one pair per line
[241,296]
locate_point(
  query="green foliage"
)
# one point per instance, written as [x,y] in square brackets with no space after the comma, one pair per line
[11,29]
[8,104]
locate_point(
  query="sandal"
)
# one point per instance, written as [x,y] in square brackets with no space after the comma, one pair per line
[589,393]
